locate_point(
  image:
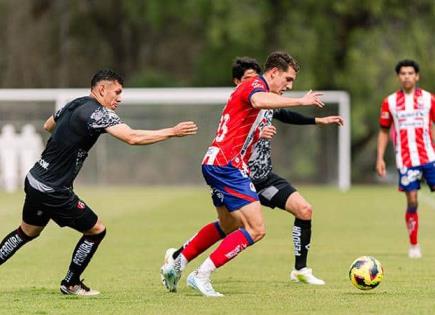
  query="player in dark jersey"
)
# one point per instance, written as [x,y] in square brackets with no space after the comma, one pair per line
[49,184]
[274,191]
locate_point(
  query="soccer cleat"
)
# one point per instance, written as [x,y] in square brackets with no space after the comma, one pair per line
[79,289]
[414,251]
[305,275]
[202,284]
[169,274]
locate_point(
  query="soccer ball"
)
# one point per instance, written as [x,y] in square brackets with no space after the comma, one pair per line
[366,273]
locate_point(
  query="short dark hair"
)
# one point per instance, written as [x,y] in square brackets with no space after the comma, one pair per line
[241,64]
[407,63]
[280,60]
[106,75]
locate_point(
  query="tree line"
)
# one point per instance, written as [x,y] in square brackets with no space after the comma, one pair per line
[347,45]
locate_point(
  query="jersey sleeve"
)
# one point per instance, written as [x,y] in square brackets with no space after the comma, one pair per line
[69,106]
[252,87]
[103,118]
[385,119]
[59,112]
[294,118]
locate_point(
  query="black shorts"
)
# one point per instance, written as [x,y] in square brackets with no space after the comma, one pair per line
[274,191]
[63,207]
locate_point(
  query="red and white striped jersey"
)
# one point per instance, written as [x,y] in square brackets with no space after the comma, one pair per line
[238,127]
[413,116]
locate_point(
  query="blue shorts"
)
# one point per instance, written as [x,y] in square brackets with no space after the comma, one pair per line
[230,187]
[410,178]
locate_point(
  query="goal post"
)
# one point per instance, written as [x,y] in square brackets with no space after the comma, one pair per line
[195,97]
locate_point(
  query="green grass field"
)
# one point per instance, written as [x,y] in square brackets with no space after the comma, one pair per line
[143,222]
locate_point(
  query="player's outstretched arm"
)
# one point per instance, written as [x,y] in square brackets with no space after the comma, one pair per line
[50,124]
[382,145]
[293,118]
[268,100]
[142,137]
[330,120]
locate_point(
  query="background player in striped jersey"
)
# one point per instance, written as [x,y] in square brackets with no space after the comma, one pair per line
[411,110]
[224,168]
[273,190]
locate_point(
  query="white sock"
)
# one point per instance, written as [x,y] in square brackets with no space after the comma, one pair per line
[206,268]
[183,262]
[180,262]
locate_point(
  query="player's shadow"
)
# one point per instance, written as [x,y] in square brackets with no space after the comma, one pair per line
[229,287]
[43,293]
[367,293]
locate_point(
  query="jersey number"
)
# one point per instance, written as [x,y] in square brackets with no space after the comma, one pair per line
[222,129]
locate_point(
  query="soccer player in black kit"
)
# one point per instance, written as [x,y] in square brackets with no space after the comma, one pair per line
[49,184]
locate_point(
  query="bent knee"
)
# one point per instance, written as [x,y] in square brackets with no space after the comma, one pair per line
[257,233]
[305,212]
[98,228]
[31,231]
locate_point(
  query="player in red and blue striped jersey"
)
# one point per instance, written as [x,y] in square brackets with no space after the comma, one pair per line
[225,170]
[274,191]
[411,112]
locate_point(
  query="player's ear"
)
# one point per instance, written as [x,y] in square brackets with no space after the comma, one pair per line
[101,89]
[274,72]
[417,76]
[236,81]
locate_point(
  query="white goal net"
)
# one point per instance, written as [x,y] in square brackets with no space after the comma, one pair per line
[302,154]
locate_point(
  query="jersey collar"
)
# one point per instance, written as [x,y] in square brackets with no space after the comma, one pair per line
[265,82]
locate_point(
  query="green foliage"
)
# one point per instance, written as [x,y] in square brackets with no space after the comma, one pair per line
[341,45]
[151,78]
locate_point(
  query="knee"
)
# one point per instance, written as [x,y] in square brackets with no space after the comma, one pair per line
[29,231]
[257,232]
[98,228]
[305,212]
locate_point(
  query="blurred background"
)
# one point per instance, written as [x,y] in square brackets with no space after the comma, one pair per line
[348,45]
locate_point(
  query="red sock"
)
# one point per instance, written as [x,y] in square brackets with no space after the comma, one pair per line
[206,237]
[412,225]
[230,247]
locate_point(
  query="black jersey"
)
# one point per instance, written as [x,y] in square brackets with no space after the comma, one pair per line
[78,126]
[260,163]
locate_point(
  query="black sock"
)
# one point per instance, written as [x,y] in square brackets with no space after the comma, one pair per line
[83,252]
[177,252]
[301,235]
[13,242]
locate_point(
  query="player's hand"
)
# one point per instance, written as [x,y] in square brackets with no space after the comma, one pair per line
[380,168]
[312,98]
[185,128]
[268,132]
[329,120]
